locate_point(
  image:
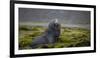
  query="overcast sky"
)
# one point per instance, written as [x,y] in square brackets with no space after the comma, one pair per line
[45,15]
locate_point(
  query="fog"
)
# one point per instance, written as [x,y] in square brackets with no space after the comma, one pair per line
[69,18]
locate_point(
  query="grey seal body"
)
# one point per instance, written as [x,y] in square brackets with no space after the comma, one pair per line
[50,36]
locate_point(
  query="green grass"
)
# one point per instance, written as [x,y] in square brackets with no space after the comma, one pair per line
[70,37]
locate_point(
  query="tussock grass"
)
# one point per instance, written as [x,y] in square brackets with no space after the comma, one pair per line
[70,37]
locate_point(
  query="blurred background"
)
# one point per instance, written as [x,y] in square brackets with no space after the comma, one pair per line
[68,18]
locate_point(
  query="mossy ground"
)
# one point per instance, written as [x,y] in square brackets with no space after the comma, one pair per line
[70,37]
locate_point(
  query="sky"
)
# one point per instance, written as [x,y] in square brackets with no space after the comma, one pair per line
[46,15]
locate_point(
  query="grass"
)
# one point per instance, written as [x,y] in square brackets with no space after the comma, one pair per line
[70,37]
